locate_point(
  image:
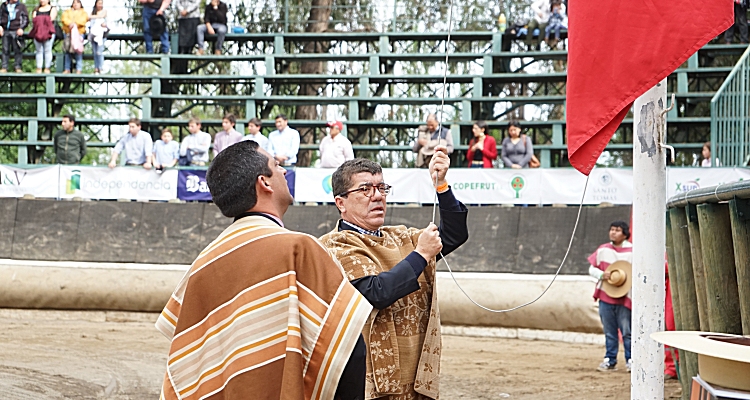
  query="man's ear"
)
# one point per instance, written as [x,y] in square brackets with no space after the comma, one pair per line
[340,204]
[263,185]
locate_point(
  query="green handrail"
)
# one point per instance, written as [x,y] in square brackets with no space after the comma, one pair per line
[730,117]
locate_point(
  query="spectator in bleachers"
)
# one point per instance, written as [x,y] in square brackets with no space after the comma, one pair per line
[151,10]
[556,23]
[215,23]
[435,135]
[137,144]
[14,18]
[74,18]
[335,148]
[97,34]
[188,19]
[740,22]
[482,147]
[541,10]
[517,148]
[253,126]
[166,152]
[43,33]
[69,143]
[194,147]
[284,142]
[705,159]
[228,136]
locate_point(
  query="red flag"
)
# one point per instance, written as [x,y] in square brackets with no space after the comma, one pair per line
[619,49]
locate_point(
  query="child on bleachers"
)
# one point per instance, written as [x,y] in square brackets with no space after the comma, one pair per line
[556,19]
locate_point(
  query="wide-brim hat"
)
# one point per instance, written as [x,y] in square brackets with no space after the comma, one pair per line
[723,359]
[157,25]
[620,279]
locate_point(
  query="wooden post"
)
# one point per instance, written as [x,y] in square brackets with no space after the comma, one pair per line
[686,283]
[698,270]
[676,308]
[721,275]
[739,211]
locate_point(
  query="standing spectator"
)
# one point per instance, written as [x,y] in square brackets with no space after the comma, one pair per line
[137,145]
[194,148]
[482,147]
[215,18]
[615,313]
[228,136]
[154,9]
[705,159]
[335,148]
[253,126]
[97,34]
[284,142]
[14,18]
[74,18]
[43,34]
[434,136]
[517,148]
[166,152]
[69,143]
[188,19]
[740,22]
[556,23]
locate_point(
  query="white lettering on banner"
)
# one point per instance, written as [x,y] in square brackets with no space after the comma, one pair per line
[194,184]
[122,182]
[40,182]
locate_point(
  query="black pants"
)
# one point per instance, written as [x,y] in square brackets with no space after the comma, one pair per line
[740,21]
[11,41]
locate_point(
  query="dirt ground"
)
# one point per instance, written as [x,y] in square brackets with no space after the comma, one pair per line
[97,355]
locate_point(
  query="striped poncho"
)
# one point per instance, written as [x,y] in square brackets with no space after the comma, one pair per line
[263,313]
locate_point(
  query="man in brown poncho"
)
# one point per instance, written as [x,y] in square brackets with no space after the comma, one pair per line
[394,268]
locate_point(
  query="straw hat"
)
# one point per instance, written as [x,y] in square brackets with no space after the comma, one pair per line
[723,359]
[620,279]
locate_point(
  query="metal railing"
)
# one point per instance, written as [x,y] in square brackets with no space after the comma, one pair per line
[730,117]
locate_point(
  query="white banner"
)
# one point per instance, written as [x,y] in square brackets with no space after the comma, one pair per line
[133,183]
[41,182]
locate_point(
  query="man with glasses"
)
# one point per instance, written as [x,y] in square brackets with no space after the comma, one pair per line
[394,268]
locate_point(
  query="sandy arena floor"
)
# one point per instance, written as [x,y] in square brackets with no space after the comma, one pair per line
[97,355]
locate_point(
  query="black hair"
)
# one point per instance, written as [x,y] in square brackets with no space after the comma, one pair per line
[232,175]
[622,225]
[282,116]
[341,180]
[515,123]
[70,118]
[483,126]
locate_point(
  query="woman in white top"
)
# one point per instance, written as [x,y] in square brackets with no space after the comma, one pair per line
[706,156]
[97,30]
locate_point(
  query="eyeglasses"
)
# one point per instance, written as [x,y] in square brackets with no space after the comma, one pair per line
[368,189]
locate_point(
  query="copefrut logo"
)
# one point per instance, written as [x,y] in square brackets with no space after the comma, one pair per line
[517,183]
[327,186]
[73,183]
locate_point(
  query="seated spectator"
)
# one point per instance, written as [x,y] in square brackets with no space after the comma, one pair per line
[517,148]
[435,135]
[97,34]
[215,18]
[228,136]
[153,11]
[43,33]
[482,147]
[335,148]
[556,23]
[137,145]
[69,143]
[166,152]
[284,142]
[74,19]
[253,126]
[14,18]
[740,22]
[194,147]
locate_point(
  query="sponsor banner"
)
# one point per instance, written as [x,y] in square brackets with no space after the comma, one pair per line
[41,182]
[495,186]
[191,185]
[409,185]
[133,183]
[681,180]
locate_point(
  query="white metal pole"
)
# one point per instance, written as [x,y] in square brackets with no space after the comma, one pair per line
[649,242]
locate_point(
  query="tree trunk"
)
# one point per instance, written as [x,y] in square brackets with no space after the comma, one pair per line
[320,12]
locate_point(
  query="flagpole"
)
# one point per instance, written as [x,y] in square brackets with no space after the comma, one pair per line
[649,243]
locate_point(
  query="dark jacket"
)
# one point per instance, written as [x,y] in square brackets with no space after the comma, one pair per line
[218,16]
[70,147]
[21,21]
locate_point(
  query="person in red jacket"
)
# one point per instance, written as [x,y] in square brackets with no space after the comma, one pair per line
[482,147]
